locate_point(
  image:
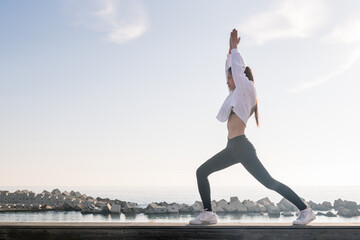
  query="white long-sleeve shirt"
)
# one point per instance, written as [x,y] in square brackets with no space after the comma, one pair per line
[243,97]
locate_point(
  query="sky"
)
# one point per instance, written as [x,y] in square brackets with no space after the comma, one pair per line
[125,93]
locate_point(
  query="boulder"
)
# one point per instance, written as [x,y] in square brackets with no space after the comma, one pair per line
[217,209]
[78,195]
[130,207]
[253,207]
[68,206]
[338,203]
[266,202]
[66,193]
[172,209]
[115,209]
[327,204]
[45,192]
[330,214]
[46,207]
[286,206]
[56,191]
[96,210]
[345,212]
[287,214]
[225,205]
[154,208]
[78,207]
[184,208]
[106,208]
[197,206]
[350,204]
[319,206]
[237,206]
[32,195]
[3,195]
[273,211]
[88,209]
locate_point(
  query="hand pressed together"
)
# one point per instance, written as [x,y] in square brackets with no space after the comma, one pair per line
[234,39]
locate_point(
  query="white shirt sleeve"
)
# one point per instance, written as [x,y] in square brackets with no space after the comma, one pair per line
[238,71]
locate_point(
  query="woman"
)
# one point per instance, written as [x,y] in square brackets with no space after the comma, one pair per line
[240,104]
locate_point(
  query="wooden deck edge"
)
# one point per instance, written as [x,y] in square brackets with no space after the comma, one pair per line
[166,231]
[166,224]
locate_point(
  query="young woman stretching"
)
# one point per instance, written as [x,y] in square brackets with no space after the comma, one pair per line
[240,104]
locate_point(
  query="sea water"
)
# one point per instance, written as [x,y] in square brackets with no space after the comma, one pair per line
[181,194]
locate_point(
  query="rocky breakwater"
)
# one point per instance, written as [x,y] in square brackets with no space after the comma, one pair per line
[24,200]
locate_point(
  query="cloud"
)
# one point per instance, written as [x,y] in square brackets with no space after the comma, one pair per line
[344,33]
[285,19]
[121,21]
[347,32]
[321,80]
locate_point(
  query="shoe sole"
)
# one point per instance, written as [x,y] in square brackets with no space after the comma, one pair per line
[203,223]
[311,219]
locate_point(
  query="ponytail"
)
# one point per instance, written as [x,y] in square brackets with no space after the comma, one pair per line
[250,76]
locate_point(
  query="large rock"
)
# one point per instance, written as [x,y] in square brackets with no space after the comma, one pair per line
[254,207]
[286,206]
[265,202]
[116,209]
[287,214]
[3,196]
[130,207]
[319,206]
[250,205]
[197,206]
[225,205]
[45,192]
[172,209]
[338,203]
[79,207]
[237,206]
[66,193]
[350,204]
[68,206]
[88,209]
[330,214]
[184,208]
[345,212]
[106,208]
[96,210]
[154,208]
[273,211]
[216,208]
[327,204]
[56,191]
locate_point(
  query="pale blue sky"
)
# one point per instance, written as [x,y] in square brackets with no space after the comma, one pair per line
[126,92]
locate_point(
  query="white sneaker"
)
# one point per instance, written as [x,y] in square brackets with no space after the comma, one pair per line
[205,217]
[307,215]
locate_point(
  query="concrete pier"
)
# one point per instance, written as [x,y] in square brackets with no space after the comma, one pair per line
[103,231]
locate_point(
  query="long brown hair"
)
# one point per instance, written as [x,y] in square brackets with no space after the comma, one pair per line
[250,76]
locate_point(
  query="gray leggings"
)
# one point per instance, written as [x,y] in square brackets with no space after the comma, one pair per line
[240,150]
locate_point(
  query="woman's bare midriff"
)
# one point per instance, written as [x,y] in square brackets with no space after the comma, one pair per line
[235,126]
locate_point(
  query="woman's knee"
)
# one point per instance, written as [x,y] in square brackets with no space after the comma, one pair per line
[201,172]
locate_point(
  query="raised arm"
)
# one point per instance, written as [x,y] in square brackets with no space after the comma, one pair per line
[237,64]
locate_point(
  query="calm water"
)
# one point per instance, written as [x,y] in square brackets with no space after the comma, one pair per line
[181,194]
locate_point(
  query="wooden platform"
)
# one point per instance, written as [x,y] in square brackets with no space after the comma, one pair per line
[103,231]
